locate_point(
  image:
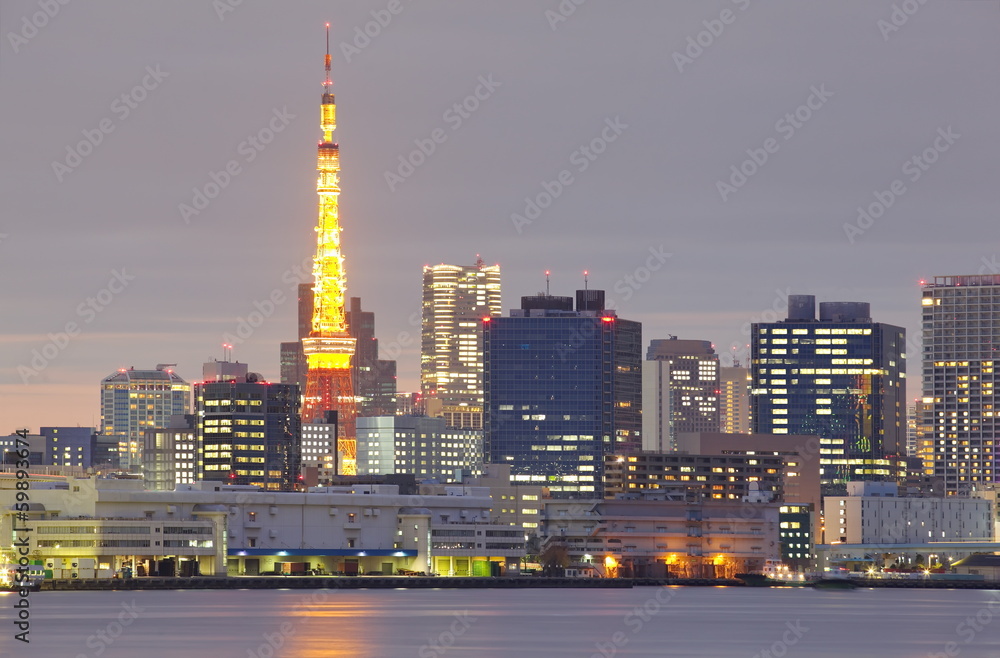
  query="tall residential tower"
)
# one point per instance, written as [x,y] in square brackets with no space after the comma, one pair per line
[329,347]
[961,405]
[456,299]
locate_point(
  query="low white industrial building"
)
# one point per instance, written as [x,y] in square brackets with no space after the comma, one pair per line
[209,528]
[873,521]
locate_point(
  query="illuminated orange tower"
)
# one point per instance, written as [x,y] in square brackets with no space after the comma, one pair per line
[329,347]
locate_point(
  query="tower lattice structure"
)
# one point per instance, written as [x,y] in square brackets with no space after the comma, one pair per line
[329,347]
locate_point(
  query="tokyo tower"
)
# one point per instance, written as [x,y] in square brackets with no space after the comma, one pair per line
[329,348]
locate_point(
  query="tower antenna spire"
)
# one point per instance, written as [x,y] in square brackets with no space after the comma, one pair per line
[328,82]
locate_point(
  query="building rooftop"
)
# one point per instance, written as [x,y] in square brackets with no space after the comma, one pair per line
[130,374]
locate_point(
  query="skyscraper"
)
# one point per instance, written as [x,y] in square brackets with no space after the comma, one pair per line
[961,342]
[734,400]
[374,379]
[563,389]
[840,378]
[329,348]
[680,389]
[248,430]
[455,300]
[133,401]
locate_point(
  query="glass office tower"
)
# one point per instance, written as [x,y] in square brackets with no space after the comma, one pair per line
[841,378]
[563,388]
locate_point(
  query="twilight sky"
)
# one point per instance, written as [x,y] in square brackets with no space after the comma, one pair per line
[634,117]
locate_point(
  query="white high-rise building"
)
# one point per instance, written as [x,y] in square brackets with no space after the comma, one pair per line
[680,391]
[455,300]
[417,445]
[133,401]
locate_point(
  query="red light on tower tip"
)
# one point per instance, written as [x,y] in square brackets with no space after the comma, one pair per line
[486,319]
[606,319]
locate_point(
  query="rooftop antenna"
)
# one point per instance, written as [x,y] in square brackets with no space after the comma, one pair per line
[547,282]
[227,352]
[585,275]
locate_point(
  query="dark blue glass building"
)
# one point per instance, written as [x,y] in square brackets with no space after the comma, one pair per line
[841,378]
[563,388]
[249,432]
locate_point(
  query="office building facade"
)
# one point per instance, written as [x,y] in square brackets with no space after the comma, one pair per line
[133,401]
[563,389]
[319,450]
[961,343]
[680,388]
[248,432]
[420,446]
[455,300]
[69,446]
[170,455]
[374,379]
[840,377]
[734,400]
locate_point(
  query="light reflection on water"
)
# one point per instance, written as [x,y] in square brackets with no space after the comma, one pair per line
[694,622]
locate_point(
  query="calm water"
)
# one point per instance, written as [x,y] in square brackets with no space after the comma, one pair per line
[695,621]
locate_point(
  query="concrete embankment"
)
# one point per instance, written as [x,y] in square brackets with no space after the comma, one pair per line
[441,582]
